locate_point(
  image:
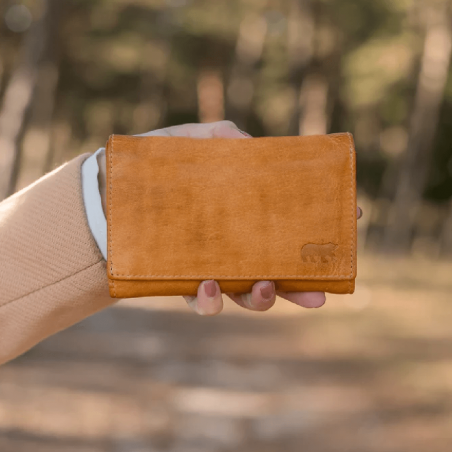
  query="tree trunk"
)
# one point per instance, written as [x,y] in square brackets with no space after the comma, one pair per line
[300,47]
[210,95]
[313,99]
[415,162]
[248,52]
[18,96]
[151,111]
[36,155]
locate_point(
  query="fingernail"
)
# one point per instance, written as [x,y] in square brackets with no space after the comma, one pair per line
[360,212]
[210,288]
[246,134]
[267,291]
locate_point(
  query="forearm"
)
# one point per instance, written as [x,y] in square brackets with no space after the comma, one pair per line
[52,274]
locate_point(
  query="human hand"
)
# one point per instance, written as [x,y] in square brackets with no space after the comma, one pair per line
[209,300]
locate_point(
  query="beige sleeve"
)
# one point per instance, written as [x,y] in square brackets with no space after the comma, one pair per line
[52,273]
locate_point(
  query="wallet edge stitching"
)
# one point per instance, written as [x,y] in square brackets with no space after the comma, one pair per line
[352,238]
[109,212]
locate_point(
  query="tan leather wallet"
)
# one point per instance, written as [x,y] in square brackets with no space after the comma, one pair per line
[182,210]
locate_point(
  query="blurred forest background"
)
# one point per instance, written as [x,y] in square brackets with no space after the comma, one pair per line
[73,72]
[367,372]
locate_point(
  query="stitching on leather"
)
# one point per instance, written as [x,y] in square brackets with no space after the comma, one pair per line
[352,234]
[352,239]
[245,276]
[240,276]
[109,212]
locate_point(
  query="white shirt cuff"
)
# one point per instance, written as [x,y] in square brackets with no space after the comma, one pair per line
[93,204]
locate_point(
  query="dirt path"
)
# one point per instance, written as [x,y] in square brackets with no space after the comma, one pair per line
[368,372]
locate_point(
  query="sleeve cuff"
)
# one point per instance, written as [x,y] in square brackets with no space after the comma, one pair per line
[92,200]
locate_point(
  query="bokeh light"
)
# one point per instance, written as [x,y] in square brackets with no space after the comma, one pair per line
[18,18]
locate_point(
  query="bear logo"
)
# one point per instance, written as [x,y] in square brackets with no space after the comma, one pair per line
[318,253]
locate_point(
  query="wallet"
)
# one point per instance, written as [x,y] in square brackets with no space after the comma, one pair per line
[181,210]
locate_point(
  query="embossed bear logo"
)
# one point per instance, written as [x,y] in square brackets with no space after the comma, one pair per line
[315,253]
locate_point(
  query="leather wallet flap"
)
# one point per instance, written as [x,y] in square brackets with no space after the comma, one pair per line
[262,208]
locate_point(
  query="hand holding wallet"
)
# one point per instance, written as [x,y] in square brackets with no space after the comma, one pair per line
[181,210]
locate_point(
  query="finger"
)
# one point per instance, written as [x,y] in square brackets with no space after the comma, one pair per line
[360,212]
[227,129]
[261,298]
[221,129]
[304,299]
[208,301]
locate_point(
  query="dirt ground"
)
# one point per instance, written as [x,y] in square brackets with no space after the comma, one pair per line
[366,372]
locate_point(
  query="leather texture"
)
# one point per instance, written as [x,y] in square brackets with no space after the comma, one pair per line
[182,210]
